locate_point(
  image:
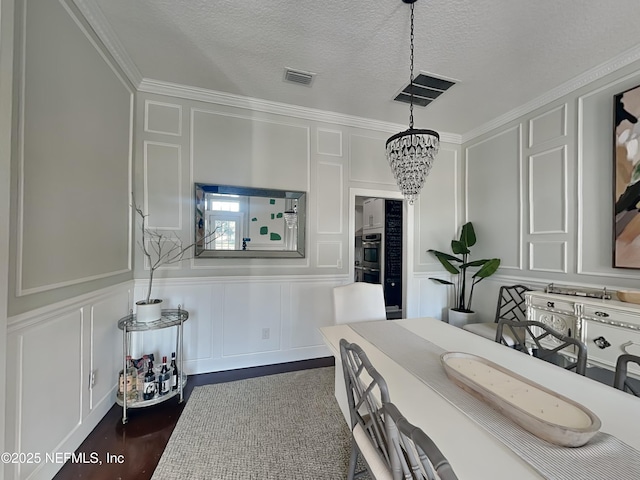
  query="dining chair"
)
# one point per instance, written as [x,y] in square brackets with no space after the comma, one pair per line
[542,341]
[419,458]
[367,391]
[510,306]
[358,302]
[621,380]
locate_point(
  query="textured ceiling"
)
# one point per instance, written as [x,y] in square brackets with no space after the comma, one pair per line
[504,54]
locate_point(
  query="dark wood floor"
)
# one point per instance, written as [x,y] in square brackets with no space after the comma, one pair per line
[142,440]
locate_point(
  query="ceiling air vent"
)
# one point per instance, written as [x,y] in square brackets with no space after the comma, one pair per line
[425,90]
[298,76]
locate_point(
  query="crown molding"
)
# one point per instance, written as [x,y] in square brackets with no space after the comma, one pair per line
[96,19]
[596,73]
[159,87]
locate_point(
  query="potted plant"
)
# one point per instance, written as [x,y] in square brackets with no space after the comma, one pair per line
[457,264]
[158,249]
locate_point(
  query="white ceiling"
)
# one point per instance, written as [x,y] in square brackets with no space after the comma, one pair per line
[504,54]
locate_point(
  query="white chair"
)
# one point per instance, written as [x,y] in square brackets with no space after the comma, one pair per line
[358,302]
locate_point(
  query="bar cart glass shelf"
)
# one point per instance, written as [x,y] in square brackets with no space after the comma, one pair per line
[169,318]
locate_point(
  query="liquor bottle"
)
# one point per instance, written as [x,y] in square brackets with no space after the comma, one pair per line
[174,372]
[149,383]
[164,379]
[128,384]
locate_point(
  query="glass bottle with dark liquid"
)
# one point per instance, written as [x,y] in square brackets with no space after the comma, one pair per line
[174,372]
[164,378]
[149,385]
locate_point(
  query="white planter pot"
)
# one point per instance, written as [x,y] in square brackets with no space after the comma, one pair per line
[460,319]
[148,312]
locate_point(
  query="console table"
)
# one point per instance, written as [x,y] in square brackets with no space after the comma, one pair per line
[609,328]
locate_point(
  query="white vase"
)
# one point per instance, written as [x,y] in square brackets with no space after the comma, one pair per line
[460,319]
[148,312]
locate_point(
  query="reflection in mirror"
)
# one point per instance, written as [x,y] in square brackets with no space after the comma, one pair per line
[249,222]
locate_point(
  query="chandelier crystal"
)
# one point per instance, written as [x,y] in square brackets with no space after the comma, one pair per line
[411,153]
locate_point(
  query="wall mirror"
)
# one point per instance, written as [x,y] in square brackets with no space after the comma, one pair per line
[246,222]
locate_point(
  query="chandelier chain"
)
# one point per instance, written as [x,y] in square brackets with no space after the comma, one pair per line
[411,73]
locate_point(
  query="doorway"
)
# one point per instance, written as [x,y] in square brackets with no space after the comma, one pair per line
[378,222]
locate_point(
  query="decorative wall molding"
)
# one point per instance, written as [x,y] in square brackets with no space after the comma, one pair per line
[21,46]
[337,133]
[108,37]
[148,103]
[563,128]
[321,198]
[211,96]
[178,179]
[323,245]
[562,267]
[564,193]
[612,65]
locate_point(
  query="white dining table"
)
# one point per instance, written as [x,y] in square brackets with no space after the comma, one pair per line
[475,453]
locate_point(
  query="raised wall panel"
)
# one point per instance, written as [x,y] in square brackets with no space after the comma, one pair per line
[106,346]
[438,204]
[548,256]
[74,155]
[494,197]
[311,309]
[42,388]
[548,192]
[330,196]
[164,118]
[163,185]
[329,254]
[330,142]
[248,310]
[367,160]
[236,150]
[549,126]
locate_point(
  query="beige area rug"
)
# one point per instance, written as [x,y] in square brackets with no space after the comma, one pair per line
[284,426]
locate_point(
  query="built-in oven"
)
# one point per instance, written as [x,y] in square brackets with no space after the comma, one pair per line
[372,250]
[370,275]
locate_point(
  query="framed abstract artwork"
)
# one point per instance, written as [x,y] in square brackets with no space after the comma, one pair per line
[626,173]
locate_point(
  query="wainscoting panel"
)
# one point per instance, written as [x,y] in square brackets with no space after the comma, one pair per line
[50,354]
[494,197]
[311,309]
[548,202]
[330,198]
[163,118]
[252,318]
[329,254]
[229,319]
[438,204]
[548,256]
[163,185]
[549,126]
[330,142]
[368,162]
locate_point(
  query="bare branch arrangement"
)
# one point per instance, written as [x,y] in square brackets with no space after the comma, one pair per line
[162,249]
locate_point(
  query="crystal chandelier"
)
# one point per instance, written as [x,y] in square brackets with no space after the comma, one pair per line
[411,153]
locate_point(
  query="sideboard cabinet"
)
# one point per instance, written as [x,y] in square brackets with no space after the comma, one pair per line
[609,328]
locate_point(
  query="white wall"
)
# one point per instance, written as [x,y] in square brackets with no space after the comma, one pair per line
[67,127]
[189,136]
[540,192]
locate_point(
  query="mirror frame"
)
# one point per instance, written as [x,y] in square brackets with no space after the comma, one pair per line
[301,197]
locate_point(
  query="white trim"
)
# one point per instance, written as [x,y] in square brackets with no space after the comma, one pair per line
[339,132]
[340,256]
[20,291]
[562,269]
[341,209]
[563,132]
[186,92]
[146,182]
[595,73]
[162,104]
[565,193]
[94,16]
